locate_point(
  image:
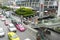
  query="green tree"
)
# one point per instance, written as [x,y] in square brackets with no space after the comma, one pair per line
[26,12]
[6,8]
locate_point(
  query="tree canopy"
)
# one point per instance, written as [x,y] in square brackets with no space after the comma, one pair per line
[26,12]
[6,8]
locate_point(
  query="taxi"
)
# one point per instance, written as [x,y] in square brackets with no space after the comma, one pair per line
[13,36]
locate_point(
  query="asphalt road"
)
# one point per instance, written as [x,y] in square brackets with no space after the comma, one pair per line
[22,35]
[53,36]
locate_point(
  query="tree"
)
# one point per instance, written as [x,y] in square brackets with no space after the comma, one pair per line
[6,8]
[25,12]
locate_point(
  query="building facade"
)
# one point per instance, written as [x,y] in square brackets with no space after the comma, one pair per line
[51,4]
[37,3]
[3,1]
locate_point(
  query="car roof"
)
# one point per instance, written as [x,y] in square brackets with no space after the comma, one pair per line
[11,33]
[1,28]
[27,39]
[11,24]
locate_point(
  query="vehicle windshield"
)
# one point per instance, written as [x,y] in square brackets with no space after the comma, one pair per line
[18,22]
[14,36]
[11,26]
[21,26]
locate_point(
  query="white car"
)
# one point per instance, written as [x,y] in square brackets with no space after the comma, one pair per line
[0,13]
[27,39]
[3,19]
[12,27]
[2,33]
[1,16]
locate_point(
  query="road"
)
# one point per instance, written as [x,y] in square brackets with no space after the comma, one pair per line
[53,36]
[22,35]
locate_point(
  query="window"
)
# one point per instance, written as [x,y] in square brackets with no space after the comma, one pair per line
[37,0]
[33,0]
[46,0]
[14,36]
[30,0]
[50,3]
[51,6]
[56,7]
[52,0]
[46,3]
[45,6]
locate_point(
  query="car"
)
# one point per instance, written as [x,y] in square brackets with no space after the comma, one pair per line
[2,33]
[14,22]
[13,36]
[3,18]
[8,14]
[6,22]
[27,39]
[20,27]
[11,27]
[0,13]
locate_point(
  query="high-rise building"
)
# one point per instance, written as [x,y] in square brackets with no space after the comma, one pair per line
[50,4]
[36,3]
[3,1]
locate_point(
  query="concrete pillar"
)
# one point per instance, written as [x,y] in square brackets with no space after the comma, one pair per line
[41,7]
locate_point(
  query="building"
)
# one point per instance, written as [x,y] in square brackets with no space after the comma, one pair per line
[3,1]
[37,3]
[51,4]
[29,3]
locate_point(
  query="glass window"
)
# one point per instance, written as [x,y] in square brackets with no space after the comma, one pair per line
[11,26]
[50,3]
[51,6]
[33,0]
[52,0]
[37,0]
[30,0]
[56,7]
[46,3]
[45,6]
[18,22]
[14,36]
[46,0]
